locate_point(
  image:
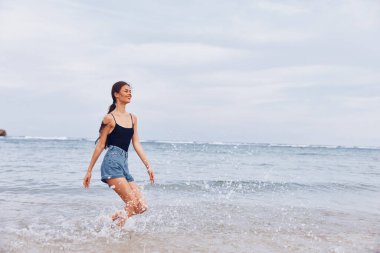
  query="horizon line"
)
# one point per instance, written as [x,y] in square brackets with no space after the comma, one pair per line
[269,144]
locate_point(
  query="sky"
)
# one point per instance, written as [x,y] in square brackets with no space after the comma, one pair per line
[294,72]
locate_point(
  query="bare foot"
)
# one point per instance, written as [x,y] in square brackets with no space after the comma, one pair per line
[116,215]
[120,217]
[120,222]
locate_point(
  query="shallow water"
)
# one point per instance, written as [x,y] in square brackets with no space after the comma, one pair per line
[208,197]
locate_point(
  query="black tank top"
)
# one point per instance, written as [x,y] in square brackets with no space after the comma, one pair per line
[120,136]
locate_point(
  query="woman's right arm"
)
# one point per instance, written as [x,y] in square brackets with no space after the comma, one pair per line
[99,148]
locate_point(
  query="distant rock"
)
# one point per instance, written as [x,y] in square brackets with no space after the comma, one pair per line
[3,132]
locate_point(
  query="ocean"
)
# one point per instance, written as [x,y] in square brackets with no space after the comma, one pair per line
[208,197]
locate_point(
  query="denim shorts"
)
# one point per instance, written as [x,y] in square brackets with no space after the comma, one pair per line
[115,165]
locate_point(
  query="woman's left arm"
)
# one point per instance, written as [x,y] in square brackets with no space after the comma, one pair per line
[139,149]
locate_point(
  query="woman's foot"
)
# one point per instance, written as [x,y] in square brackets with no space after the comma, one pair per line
[120,217]
[120,222]
[116,215]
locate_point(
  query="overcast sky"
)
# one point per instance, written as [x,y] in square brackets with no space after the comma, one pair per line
[296,72]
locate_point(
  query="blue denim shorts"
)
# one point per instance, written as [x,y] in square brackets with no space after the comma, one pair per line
[115,165]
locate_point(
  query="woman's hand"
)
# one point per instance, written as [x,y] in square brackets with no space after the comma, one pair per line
[151,175]
[87,179]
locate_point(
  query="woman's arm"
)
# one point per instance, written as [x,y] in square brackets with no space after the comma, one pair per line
[139,149]
[99,148]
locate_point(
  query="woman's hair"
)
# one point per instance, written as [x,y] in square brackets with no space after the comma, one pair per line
[116,87]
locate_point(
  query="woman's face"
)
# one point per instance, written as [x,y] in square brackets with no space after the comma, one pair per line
[124,95]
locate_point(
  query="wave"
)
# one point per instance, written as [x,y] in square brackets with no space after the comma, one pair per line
[319,146]
[274,145]
[60,138]
[219,187]
[46,138]
[258,186]
[169,142]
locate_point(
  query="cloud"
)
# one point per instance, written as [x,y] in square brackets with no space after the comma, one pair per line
[370,102]
[281,7]
[364,14]
[292,76]
[174,54]
[267,69]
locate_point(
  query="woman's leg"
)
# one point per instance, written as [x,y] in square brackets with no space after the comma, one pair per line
[126,193]
[141,205]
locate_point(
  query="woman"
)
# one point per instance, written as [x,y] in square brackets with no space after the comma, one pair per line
[117,130]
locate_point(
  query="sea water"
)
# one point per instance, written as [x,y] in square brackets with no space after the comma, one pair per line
[208,197]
